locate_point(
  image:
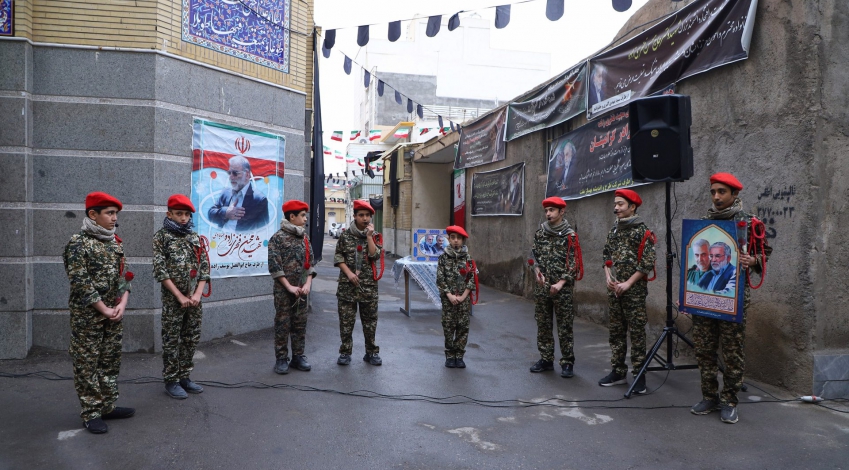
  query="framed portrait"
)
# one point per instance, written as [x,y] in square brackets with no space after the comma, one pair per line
[429,244]
[711,281]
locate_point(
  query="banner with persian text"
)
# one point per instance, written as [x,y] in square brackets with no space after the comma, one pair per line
[237,189]
[482,142]
[562,99]
[499,192]
[700,36]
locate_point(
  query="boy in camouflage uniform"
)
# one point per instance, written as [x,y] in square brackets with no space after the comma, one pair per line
[181,266]
[555,271]
[455,281]
[290,263]
[710,334]
[356,250]
[94,262]
[629,257]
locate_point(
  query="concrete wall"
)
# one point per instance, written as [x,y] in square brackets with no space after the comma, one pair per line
[74,121]
[776,120]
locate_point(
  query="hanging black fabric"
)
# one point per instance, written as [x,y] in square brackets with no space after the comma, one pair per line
[362,35]
[376,203]
[621,5]
[394,31]
[433,24]
[316,215]
[419,111]
[379,87]
[329,38]
[398,97]
[502,16]
[409,105]
[347,65]
[454,21]
[554,9]
[393,179]
[366,78]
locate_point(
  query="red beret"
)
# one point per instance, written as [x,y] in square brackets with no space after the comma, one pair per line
[362,205]
[458,230]
[554,202]
[630,196]
[98,199]
[295,206]
[180,202]
[728,180]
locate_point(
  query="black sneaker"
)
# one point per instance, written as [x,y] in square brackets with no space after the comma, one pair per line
[542,365]
[300,363]
[459,363]
[728,414]
[704,407]
[120,413]
[612,379]
[373,359]
[568,371]
[282,366]
[174,390]
[190,386]
[96,426]
[640,385]
[449,363]
[344,359]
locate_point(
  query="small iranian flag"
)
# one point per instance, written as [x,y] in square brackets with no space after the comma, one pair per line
[350,159]
[374,134]
[372,167]
[337,136]
[327,150]
[424,130]
[360,162]
[379,165]
[354,135]
[445,130]
[338,155]
[402,133]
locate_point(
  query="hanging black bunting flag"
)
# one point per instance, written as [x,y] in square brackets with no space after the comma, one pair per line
[454,21]
[325,51]
[452,124]
[419,111]
[554,9]
[621,5]
[362,35]
[409,105]
[329,38]
[380,88]
[502,16]
[347,65]
[397,96]
[366,78]
[433,24]
[394,31]
[439,118]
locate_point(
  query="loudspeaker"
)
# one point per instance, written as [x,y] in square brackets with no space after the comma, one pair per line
[660,139]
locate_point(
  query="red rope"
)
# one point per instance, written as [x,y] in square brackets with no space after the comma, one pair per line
[573,242]
[204,248]
[378,239]
[757,239]
[307,249]
[476,294]
[648,236]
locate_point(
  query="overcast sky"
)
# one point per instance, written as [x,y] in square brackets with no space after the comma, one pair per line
[586,26]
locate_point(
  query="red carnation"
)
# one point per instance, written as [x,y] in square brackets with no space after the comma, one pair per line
[741,223]
[307,265]
[463,272]
[129,276]
[359,248]
[193,273]
[608,263]
[530,262]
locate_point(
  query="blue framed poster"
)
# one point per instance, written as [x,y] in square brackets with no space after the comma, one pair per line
[7,18]
[429,243]
[710,282]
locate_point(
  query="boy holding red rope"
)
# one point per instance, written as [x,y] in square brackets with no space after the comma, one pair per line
[181,265]
[711,334]
[357,250]
[456,278]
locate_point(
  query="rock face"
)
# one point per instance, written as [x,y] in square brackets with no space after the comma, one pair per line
[778,121]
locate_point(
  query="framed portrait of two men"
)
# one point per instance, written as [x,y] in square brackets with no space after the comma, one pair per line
[712,284]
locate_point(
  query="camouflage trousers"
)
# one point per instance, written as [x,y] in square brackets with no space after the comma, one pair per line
[96,355]
[290,322]
[347,319]
[455,326]
[180,338]
[548,308]
[709,335]
[627,313]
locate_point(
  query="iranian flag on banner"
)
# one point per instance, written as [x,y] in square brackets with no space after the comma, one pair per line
[354,135]
[327,150]
[338,155]
[374,134]
[337,136]
[350,159]
[402,133]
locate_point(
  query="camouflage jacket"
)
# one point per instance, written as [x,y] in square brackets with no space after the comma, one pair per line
[623,247]
[286,257]
[93,267]
[346,252]
[550,252]
[448,278]
[175,256]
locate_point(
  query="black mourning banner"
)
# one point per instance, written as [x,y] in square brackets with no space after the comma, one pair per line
[482,142]
[592,159]
[499,192]
[560,100]
[703,35]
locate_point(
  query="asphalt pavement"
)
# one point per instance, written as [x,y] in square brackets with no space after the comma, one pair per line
[362,416]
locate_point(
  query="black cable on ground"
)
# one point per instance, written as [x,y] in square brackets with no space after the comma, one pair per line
[449,400]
